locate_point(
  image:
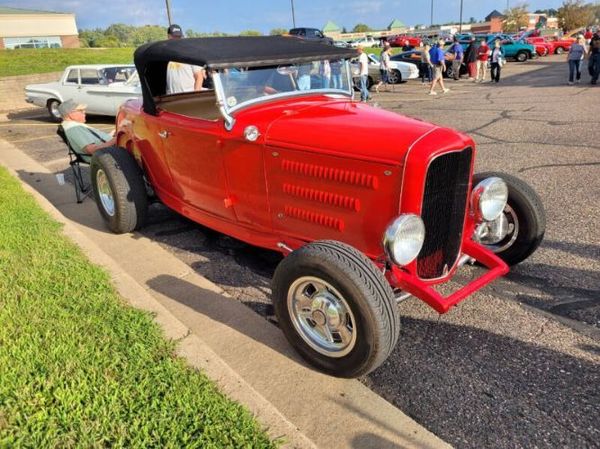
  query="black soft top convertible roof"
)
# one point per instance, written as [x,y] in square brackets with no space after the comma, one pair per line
[222,52]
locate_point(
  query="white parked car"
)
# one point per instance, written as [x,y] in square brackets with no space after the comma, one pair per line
[366,42]
[102,87]
[401,71]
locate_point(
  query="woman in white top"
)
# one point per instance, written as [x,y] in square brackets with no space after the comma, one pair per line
[384,67]
[575,57]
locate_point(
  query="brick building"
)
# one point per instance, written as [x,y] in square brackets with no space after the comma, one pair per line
[24,28]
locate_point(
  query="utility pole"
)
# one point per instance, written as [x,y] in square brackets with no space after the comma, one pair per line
[461,12]
[431,25]
[293,14]
[168,11]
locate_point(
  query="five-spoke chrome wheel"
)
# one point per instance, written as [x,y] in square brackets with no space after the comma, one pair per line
[321,316]
[105,193]
[500,234]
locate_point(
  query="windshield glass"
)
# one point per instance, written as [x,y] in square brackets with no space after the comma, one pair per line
[242,86]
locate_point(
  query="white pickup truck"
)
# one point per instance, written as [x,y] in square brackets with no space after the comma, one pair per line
[102,87]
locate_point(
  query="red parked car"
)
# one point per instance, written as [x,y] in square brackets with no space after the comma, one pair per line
[542,48]
[405,41]
[367,206]
[561,45]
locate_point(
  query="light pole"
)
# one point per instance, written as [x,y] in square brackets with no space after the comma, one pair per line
[461,11]
[168,11]
[431,25]
[293,14]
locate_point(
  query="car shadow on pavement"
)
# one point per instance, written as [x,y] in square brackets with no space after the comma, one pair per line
[214,306]
[477,389]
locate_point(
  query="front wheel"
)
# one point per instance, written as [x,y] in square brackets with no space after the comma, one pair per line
[559,50]
[336,308]
[119,189]
[520,229]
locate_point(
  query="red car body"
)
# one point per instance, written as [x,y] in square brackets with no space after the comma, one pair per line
[257,192]
[367,206]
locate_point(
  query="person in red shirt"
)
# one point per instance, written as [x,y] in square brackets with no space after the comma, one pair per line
[482,58]
[588,35]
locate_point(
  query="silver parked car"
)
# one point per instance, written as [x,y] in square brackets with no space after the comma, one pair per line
[102,87]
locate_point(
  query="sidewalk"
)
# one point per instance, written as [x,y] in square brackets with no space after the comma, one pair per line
[247,356]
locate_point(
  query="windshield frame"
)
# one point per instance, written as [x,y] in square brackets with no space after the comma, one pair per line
[229,111]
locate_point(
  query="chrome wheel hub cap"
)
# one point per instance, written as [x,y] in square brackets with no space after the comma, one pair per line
[501,233]
[105,192]
[321,316]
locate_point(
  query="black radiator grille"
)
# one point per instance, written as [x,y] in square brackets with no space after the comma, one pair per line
[444,202]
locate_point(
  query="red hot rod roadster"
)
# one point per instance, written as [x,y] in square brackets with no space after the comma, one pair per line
[368,207]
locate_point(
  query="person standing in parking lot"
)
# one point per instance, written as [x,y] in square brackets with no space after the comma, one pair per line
[482,59]
[439,67]
[471,59]
[426,67]
[182,77]
[575,57]
[594,61]
[497,60]
[363,63]
[384,67]
[458,54]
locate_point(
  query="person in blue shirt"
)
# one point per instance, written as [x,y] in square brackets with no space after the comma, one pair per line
[439,67]
[458,55]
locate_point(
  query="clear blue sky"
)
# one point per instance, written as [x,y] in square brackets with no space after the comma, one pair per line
[233,16]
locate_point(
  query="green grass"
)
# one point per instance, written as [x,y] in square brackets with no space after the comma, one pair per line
[78,367]
[27,61]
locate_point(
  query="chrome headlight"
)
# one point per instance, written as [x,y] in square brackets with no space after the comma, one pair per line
[489,197]
[403,239]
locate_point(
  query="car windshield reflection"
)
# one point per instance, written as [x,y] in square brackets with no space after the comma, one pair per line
[247,85]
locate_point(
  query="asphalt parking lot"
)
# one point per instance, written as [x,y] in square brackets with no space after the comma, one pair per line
[516,365]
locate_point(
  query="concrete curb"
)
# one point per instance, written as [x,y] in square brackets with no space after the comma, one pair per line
[248,357]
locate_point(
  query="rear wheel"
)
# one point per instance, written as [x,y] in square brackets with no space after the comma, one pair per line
[119,189]
[559,50]
[52,107]
[395,76]
[521,56]
[336,308]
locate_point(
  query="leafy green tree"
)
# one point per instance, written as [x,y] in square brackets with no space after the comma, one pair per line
[147,33]
[121,32]
[361,28]
[250,33]
[89,38]
[516,18]
[575,14]
[278,31]
[472,20]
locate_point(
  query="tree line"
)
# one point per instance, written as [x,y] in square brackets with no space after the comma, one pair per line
[571,15]
[122,35]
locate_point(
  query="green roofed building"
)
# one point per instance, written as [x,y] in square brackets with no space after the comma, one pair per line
[331,27]
[396,25]
[28,28]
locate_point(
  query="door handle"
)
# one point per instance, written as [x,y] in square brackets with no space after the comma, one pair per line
[164,134]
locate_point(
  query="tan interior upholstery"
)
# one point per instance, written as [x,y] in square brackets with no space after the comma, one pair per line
[194,104]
